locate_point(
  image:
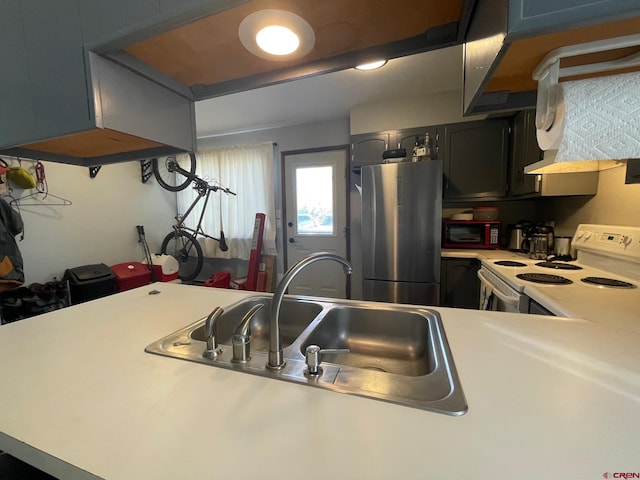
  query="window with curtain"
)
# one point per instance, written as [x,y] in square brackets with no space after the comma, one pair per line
[246,170]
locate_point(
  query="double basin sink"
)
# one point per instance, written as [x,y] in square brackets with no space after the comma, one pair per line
[393,353]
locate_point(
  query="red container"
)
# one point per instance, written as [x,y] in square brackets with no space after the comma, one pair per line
[131,275]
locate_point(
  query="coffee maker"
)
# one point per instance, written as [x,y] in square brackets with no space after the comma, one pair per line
[539,241]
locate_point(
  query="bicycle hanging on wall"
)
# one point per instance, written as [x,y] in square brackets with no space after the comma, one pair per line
[182,243]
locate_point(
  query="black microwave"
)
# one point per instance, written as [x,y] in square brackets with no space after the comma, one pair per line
[471,234]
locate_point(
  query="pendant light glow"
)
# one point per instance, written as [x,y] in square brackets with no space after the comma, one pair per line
[371,65]
[277,40]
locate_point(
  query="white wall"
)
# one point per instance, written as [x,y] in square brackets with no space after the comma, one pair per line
[615,204]
[299,137]
[438,109]
[99,226]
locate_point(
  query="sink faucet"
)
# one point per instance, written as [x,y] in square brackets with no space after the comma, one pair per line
[211,331]
[276,358]
[241,339]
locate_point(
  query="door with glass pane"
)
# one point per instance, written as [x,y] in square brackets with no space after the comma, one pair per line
[315,218]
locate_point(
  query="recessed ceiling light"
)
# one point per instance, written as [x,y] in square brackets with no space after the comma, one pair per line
[371,65]
[277,40]
[289,29]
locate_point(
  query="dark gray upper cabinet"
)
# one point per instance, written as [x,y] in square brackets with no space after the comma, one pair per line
[109,26]
[367,148]
[43,88]
[506,40]
[17,117]
[475,160]
[531,17]
[59,89]
[524,151]
[100,19]
[427,136]
[62,102]
[114,124]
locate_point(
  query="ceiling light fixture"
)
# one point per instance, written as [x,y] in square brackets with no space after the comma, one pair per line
[371,65]
[277,40]
[276,35]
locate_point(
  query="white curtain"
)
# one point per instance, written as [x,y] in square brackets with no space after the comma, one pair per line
[246,170]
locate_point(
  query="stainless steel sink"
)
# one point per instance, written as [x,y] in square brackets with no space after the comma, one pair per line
[376,339]
[394,353]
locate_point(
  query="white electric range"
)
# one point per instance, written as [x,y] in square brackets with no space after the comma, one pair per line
[602,284]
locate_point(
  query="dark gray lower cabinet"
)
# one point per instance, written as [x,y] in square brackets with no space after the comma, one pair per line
[536,308]
[459,283]
[13,469]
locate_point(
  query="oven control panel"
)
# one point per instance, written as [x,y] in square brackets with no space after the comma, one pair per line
[607,238]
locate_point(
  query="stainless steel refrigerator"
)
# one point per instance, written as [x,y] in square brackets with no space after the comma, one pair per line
[401,230]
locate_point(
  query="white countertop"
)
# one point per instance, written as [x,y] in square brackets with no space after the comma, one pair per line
[548,398]
[616,308]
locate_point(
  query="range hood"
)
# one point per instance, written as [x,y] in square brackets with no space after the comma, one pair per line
[549,165]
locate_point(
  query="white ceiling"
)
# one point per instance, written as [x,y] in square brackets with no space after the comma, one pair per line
[330,96]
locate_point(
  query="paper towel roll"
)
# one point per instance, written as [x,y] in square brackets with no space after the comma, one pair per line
[596,118]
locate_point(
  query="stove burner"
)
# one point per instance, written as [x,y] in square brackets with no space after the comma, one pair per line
[607,282]
[510,263]
[559,265]
[544,278]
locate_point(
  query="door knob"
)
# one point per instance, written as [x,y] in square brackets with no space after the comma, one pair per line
[290,224]
[292,240]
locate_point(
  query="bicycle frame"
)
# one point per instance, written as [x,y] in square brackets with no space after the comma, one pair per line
[204,190]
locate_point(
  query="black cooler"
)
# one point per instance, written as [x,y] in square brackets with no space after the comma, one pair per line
[89,282]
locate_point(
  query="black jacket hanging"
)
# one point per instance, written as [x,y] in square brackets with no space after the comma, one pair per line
[11,264]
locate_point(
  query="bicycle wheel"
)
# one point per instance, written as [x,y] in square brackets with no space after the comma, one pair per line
[164,169]
[185,248]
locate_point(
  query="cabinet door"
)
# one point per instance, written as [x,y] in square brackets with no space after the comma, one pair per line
[524,151]
[475,160]
[407,139]
[100,19]
[367,149]
[17,119]
[459,283]
[59,89]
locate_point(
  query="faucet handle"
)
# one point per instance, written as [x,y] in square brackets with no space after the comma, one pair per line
[241,339]
[211,331]
[312,357]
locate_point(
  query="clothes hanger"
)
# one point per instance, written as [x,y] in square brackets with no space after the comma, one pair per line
[42,189]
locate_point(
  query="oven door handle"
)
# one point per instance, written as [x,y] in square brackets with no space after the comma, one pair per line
[505,298]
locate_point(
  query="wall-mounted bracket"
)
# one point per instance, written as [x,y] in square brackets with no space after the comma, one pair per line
[145,169]
[548,72]
[93,171]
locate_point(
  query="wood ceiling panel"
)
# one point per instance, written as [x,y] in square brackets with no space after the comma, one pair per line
[208,51]
[523,56]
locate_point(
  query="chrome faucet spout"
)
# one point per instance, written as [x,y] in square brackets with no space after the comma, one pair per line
[211,331]
[276,357]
